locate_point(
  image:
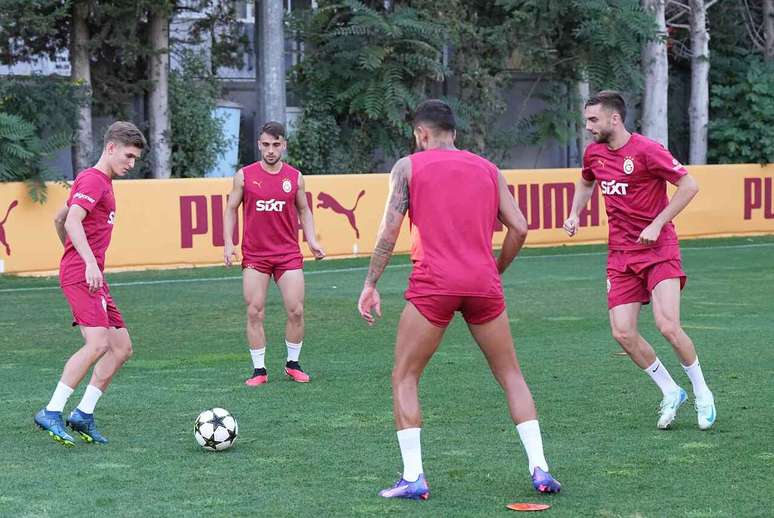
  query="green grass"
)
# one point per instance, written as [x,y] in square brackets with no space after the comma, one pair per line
[326,448]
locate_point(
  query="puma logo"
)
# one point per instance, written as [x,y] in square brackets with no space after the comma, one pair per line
[256,182]
[329,202]
[3,240]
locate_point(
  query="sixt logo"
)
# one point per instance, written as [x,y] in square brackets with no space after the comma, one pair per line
[271,205]
[612,187]
[83,196]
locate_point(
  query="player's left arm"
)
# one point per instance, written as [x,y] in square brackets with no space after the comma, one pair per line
[663,165]
[510,216]
[59,223]
[389,230]
[307,221]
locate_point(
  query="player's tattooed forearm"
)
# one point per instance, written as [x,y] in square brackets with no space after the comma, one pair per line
[379,259]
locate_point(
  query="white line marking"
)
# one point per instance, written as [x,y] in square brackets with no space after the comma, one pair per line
[364,268]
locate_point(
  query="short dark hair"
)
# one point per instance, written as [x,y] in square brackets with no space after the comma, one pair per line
[273,128]
[436,114]
[126,134]
[610,99]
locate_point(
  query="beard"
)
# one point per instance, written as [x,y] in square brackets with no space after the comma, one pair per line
[602,136]
[271,161]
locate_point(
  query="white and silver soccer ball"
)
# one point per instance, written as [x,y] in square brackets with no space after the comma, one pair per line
[216,429]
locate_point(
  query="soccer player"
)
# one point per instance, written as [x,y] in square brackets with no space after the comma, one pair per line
[273,202]
[85,226]
[643,263]
[454,199]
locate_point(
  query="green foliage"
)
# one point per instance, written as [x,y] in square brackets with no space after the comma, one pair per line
[197,134]
[22,153]
[742,107]
[364,71]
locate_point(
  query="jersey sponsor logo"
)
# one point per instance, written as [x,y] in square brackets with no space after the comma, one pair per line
[3,239]
[612,188]
[271,205]
[80,195]
[286,185]
[628,165]
[111,217]
[329,202]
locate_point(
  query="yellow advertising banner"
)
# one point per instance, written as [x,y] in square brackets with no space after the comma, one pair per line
[164,223]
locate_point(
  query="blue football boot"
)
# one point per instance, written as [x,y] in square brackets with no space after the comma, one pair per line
[543,482]
[417,490]
[51,422]
[84,425]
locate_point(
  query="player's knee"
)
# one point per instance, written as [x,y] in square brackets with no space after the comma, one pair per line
[98,346]
[126,351]
[624,336]
[255,313]
[669,328]
[296,313]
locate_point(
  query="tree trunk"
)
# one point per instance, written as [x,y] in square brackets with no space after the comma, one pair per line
[656,71]
[583,137]
[158,109]
[80,73]
[699,106]
[768,29]
[270,63]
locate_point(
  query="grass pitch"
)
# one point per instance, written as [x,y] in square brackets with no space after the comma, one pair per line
[326,448]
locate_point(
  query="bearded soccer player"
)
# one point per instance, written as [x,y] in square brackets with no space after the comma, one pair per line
[643,262]
[453,270]
[273,201]
[85,226]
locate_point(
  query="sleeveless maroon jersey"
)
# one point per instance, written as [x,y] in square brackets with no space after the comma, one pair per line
[453,208]
[269,210]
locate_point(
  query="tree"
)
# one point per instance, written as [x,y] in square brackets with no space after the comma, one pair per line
[80,73]
[656,71]
[270,62]
[700,64]
[759,21]
[158,113]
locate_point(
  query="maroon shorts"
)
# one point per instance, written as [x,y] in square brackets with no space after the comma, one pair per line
[274,265]
[632,274]
[439,309]
[92,309]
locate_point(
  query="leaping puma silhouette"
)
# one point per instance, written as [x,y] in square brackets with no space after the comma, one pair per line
[329,202]
[13,204]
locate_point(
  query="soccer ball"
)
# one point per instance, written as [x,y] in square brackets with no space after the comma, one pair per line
[216,429]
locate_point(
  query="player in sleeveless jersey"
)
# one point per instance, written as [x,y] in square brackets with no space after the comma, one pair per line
[85,226]
[273,201]
[454,199]
[644,255]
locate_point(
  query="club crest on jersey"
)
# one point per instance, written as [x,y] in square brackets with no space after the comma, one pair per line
[286,185]
[628,165]
[676,165]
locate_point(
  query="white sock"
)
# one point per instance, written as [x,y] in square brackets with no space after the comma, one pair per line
[89,400]
[58,401]
[529,432]
[294,350]
[411,452]
[659,374]
[258,356]
[700,387]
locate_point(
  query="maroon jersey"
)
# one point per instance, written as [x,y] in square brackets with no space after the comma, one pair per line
[633,181]
[92,190]
[269,210]
[453,207]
